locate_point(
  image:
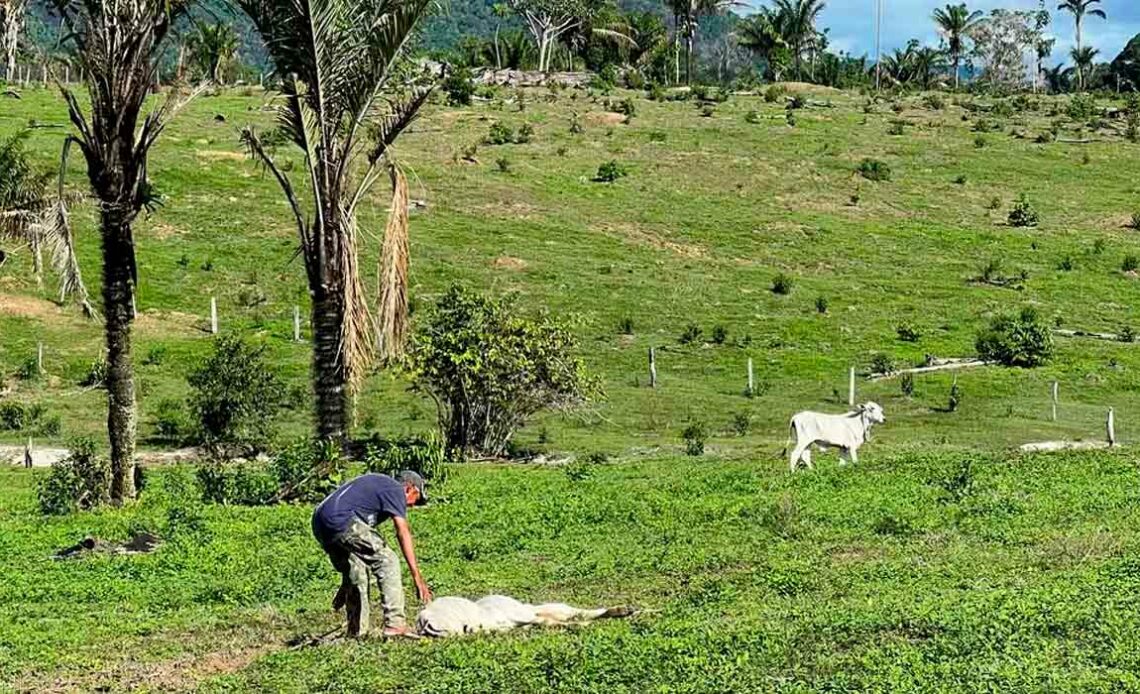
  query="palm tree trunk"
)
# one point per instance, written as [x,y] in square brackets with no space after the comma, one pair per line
[118,294]
[1080,72]
[957,70]
[330,375]
[688,58]
[498,55]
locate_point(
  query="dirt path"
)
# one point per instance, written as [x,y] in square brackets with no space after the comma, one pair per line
[46,457]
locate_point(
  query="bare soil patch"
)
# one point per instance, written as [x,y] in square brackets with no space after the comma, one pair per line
[637,234]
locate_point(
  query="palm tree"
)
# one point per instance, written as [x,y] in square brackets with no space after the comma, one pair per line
[341,109]
[798,26]
[927,62]
[686,17]
[501,12]
[761,34]
[1042,49]
[213,48]
[117,45]
[1057,78]
[1080,8]
[954,23]
[1084,59]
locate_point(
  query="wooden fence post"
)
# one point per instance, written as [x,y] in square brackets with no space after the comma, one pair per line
[851,387]
[1054,401]
[1110,426]
[652,368]
[40,358]
[296,324]
[213,315]
[28,453]
[751,381]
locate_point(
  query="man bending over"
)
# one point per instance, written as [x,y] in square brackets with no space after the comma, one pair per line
[344,523]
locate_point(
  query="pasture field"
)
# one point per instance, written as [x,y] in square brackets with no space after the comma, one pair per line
[953,571]
[941,562]
[713,209]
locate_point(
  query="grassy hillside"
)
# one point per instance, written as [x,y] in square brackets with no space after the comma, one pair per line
[911,573]
[712,210]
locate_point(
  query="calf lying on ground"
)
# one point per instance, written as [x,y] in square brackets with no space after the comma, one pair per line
[843,431]
[452,616]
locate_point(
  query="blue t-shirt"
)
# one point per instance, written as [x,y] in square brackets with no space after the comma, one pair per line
[373,498]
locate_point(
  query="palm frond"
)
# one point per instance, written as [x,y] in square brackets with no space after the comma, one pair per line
[392,314]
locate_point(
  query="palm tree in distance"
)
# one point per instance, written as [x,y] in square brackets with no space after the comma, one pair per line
[954,23]
[1079,9]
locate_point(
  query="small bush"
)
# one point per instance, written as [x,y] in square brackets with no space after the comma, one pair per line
[1023,214]
[499,134]
[890,524]
[782,284]
[908,332]
[955,398]
[96,376]
[898,127]
[782,518]
[1082,107]
[575,124]
[960,180]
[1134,221]
[79,482]
[235,397]
[790,119]
[934,102]
[627,108]
[906,384]
[874,170]
[525,134]
[503,164]
[752,117]
[994,203]
[707,110]
[691,334]
[171,423]
[1131,263]
[719,335]
[656,93]
[774,93]
[459,87]
[1045,137]
[13,416]
[821,304]
[1127,334]
[1017,340]
[657,136]
[610,172]
[425,455]
[241,483]
[155,356]
[742,423]
[625,325]
[980,142]
[695,436]
[1066,264]
[881,364]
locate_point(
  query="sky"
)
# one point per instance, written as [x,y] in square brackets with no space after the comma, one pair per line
[852,24]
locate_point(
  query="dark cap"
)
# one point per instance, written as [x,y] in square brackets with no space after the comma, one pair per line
[414,479]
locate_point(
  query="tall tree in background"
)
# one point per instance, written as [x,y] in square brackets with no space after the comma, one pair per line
[687,15]
[955,23]
[1041,51]
[1084,60]
[213,49]
[548,20]
[117,43]
[761,33]
[1079,9]
[798,25]
[12,24]
[341,108]
[501,12]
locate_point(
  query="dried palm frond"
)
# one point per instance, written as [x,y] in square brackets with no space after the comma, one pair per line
[55,228]
[392,313]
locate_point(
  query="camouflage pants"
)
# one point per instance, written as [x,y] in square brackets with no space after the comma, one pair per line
[355,553]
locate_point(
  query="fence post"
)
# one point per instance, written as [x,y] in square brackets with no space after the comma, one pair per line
[40,358]
[851,387]
[652,368]
[751,380]
[1054,401]
[214,315]
[1110,426]
[28,453]
[296,324]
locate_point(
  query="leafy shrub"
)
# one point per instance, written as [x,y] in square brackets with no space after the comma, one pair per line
[1131,263]
[155,356]
[307,470]
[874,170]
[898,127]
[575,124]
[33,418]
[790,119]
[239,482]
[906,384]
[13,416]
[782,518]
[634,79]
[459,87]
[891,524]
[980,142]
[984,126]
[499,134]
[657,136]
[695,436]
[525,134]
[490,369]
[955,398]
[1066,263]
[960,180]
[1017,340]
[1127,334]
[774,93]
[881,364]
[79,482]
[958,483]
[503,164]
[1081,107]
[235,397]
[1023,214]
[422,454]
[708,110]
[719,334]
[782,284]
[752,117]
[1134,221]
[171,423]
[1002,109]
[625,325]
[821,304]
[627,108]
[656,92]
[691,334]
[994,203]
[96,376]
[908,332]
[610,172]
[742,423]
[934,102]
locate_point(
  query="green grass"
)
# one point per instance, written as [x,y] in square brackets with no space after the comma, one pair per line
[901,574]
[696,233]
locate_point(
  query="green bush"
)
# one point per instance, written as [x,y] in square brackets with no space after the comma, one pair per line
[695,436]
[489,369]
[908,332]
[610,172]
[236,482]
[79,482]
[96,376]
[934,102]
[691,334]
[1131,263]
[719,334]
[29,419]
[774,93]
[782,284]
[525,134]
[742,423]
[1017,340]
[499,134]
[171,423]
[235,397]
[898,127]
[821,304]
[1023,214]
[906,384]
[1082,107]
[627,108]
[459,87]
[874,170]
[306,470]
[625,325]
[881,364]
[423,454]
[13,416]
[752,117]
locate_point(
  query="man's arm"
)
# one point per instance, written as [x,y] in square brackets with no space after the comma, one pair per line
[404,536]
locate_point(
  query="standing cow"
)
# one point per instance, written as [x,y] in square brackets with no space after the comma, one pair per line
[843,431]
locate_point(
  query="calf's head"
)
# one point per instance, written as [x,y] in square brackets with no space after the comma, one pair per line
[872,413]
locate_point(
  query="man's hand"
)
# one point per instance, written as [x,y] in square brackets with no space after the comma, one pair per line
[422,591]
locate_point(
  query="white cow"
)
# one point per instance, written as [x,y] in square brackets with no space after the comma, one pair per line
[452,616]
[843,431]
